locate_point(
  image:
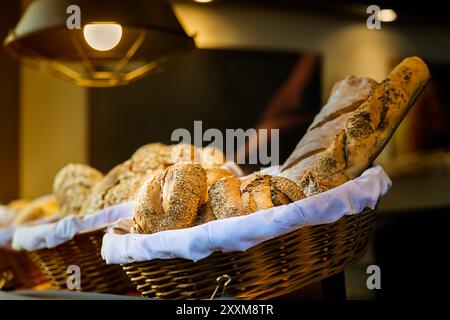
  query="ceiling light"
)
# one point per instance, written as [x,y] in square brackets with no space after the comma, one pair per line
[119,41]
[387,15]
[102,36]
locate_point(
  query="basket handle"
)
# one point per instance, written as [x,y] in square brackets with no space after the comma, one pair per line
[223,280]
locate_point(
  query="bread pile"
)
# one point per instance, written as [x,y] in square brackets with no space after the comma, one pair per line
[343,140]
[80,189]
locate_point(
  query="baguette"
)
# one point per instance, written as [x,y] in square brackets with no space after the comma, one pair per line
[368,129]
[346,96]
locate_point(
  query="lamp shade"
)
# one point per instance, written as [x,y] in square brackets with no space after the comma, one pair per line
[118,42]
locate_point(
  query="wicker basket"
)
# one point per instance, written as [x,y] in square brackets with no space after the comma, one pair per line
[18,271]
[83,251]
[271,269]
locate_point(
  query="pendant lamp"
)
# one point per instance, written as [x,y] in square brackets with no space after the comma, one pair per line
[117,41]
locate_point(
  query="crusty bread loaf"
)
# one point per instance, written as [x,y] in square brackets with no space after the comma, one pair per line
[123,182]
[212,157]
[171,199]
[346,96]
[72,186]
[150,157]
[39,208]
[213,174]
[368,129]
[18,204]
[118,185]
[231,197]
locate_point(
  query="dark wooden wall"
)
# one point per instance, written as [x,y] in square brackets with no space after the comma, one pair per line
[9,108]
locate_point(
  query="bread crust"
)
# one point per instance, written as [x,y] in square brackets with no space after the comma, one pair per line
[231,197]
[346,96]
[171,199]
[72,186]
[368,129]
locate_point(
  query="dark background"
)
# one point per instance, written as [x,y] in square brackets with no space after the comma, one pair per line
[226,89]
[9,110]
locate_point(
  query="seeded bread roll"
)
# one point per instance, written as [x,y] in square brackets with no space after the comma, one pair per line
[118,185]
[231,197]
[256,192]
[212,157]
[368,129]
[183,152]
[152,156]
[346,96]
[171,199]
[122,183]
[284,191]
[73,185]
[226,199]
[213,174]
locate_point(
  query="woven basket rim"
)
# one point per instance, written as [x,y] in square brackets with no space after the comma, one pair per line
[216,252]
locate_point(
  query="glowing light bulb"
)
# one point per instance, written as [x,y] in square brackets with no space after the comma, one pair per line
[387,15]
[102,36]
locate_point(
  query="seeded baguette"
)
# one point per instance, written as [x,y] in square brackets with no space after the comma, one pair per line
[368,129]
[346,96]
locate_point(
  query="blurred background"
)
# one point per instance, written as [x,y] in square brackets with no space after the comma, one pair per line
[264,64]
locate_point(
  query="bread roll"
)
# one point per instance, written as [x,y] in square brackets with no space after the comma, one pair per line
[39,208]
[256,192]
[72,186]
[152,156]
[184,152]
[122,183]
[231,197]
[225,198]
[346,96]
[119,185]
[171,199]
[212,157]
[18,204]
[368,129]
[284,191]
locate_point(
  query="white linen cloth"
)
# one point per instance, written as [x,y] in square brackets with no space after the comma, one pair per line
[50,235]
[6,233]
[7,216]
[244,232]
